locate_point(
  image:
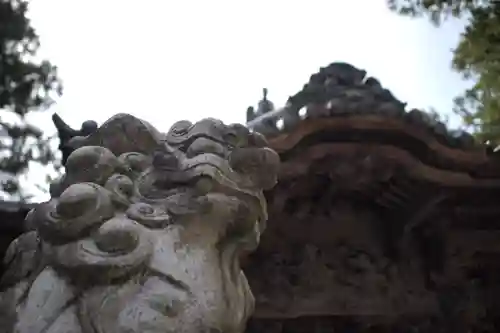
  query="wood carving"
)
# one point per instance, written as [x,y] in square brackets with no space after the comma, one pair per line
[368,221]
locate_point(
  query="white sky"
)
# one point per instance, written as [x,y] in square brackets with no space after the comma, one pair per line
[165,60]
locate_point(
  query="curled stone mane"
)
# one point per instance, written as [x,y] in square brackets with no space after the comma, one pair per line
[143,233]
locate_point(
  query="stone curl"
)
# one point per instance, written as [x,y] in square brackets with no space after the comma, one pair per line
[115,249]
[140,222]
[84,236]
[79,208]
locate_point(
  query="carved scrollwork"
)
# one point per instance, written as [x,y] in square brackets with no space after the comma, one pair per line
[149,215]
[121,188]
[251,161]
[140,214]
[91,164]
[134,163]
[180,128]
[80,207]
[117,248]
[204,145]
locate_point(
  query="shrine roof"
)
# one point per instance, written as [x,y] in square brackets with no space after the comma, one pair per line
[341,90]
[342,105]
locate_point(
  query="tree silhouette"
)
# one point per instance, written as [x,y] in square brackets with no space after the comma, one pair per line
[26,85]
[476,57]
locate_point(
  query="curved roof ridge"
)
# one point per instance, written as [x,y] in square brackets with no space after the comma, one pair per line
[342,90]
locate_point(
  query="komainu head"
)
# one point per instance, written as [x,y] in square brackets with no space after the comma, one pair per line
[143,233]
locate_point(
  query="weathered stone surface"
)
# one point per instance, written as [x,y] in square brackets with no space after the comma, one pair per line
[382,221]
[66,134]
[144,233]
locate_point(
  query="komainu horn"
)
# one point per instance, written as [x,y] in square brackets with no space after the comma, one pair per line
[143,233]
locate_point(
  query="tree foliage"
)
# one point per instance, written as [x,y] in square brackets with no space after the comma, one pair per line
[476,57]
[26,85]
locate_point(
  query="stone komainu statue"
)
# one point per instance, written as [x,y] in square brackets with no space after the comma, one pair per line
[145,234]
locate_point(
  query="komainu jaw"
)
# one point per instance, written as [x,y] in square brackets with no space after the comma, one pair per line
[143,233]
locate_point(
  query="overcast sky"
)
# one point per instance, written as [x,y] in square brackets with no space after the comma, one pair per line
[165,60]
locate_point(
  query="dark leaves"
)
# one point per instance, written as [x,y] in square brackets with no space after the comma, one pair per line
[26,85]
[477,58]
[435,10]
